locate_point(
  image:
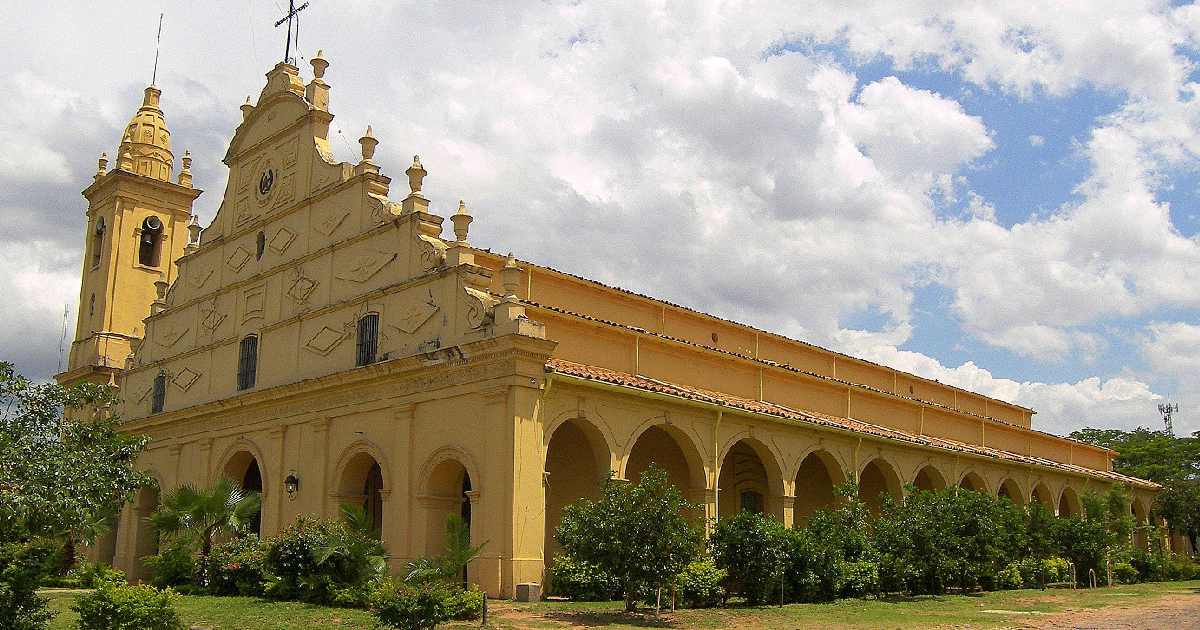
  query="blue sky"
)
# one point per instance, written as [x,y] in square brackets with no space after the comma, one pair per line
[1000,197]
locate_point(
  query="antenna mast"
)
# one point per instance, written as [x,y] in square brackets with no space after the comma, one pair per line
[1167,409]
[157,45]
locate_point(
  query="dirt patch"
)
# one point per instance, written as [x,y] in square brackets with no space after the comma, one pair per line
[1176,612]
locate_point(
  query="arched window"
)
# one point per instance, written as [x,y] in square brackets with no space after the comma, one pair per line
[159,396]
[98,242]
[260,244]
[151,241]
[247,362]
[368,339]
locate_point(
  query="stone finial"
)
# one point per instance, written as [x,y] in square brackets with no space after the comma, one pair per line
[194,230]
[185,173]
[462,222]
[319,65]
[102,165]
[510,277]
[247,108]
[160,288]
[416,175]
[368,143]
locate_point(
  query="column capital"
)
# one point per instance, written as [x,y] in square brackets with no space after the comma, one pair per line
[321,424]
[404,412]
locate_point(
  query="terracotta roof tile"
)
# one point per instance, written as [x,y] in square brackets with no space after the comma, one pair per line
[623,379]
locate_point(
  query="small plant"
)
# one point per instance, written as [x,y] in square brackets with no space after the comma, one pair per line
[1010,577]
[236,567]
[398,604]
[700,584]
[142,607]
[173,566]
[199,515]
[316,560]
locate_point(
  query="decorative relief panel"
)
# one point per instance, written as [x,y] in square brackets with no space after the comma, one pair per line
[432,256]
[411,316]
[281,240]
[325,340]
[186,378]
[238,258]
[300,289]
[329,223]
[168,334]
[289,150]
[245,211]
[253,300]
[210,317]
[198,276]
[365,265]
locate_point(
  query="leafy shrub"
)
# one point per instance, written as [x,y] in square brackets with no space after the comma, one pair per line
[87,574]
[173,566]
[316,560]
[1055,569]
[1010,577]
[1124,573]
[700,584]
[142,607]
[397,604]
[751,548]
[581,581]
[859,578]
[22,566]
[236,567]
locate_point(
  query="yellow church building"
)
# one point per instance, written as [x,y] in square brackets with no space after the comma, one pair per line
[325,344]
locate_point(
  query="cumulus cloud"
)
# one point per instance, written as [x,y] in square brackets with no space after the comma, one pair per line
[711,155]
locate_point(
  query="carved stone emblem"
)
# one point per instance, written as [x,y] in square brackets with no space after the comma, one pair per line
[238,258]
[282,239]
[210,317]
[186,378]
[301,288]
[169,335]
[325,340]
[328,224]
[411,316]
[363,266]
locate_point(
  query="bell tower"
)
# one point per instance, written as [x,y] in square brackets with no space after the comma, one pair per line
[138,224]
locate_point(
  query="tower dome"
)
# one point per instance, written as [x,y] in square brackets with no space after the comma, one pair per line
[146,145]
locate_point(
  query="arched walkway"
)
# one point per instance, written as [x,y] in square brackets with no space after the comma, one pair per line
[929,479]
[878,477]
[1010,490]
[973,481]
[449,489]
[1068,503]
[243,468]
[816,478]
[673,451]
[750,480]
[577,461]
[1041,494]
[145,540]
[361,484]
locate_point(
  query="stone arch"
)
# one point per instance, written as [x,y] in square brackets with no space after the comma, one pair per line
[1011,490]
[876,477]
[929,478]
[1041,494]
[1069,503]
[972,480]
[1141,523]
[144,541]
[450,484]
[678,451]
[750,477]
[577,460]
[243,464]
[817,475]
[362,479]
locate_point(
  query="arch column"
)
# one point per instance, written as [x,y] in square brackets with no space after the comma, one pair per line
[789,510]
[706,498]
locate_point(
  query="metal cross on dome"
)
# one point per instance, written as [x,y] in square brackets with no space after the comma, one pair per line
[293,13]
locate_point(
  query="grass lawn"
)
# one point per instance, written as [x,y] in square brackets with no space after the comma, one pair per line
[978,611]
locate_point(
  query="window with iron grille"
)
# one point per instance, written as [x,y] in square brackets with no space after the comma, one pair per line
[368,339]
[160,393]
[247,362]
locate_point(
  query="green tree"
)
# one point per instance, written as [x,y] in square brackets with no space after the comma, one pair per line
[1161,457]
[637,532]
[201,514]
[753,549]
[58,476]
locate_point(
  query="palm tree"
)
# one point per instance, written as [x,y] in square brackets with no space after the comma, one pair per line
[204,513]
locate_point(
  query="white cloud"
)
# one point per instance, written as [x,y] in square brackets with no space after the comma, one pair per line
[1036,140]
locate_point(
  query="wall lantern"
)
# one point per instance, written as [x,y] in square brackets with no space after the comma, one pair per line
[291,485]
